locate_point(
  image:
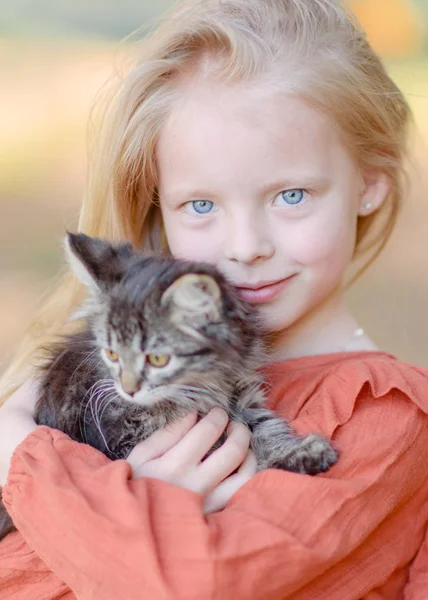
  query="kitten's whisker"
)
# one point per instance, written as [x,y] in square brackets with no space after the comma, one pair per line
[84,361]
[97,421]
[91,392]
[106,397]
[101,383]
[92,388]
[99,395]
[108,400]
[103,391]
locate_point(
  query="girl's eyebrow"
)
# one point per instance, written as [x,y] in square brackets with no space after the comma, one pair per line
[187,193]
[318,182]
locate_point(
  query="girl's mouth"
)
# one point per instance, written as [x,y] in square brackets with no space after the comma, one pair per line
[264,292]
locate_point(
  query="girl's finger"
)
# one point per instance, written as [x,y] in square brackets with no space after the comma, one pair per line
[162,441]
[219,497]
[226,459]
[249,466]
[194,446]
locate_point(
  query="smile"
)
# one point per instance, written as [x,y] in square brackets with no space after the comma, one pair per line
[263,292]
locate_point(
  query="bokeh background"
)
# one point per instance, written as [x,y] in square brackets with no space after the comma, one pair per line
[55,55]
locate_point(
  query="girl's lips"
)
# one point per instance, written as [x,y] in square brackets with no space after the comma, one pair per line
[263,295]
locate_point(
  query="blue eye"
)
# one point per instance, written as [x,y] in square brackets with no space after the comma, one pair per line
[291,197]
[202,207]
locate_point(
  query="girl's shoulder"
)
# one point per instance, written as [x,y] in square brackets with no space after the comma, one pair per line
[335,383]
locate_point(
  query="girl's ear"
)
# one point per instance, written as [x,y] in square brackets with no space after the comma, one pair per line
[376,188]
[95,262]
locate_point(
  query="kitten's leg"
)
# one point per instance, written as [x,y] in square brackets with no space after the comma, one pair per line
[276,445]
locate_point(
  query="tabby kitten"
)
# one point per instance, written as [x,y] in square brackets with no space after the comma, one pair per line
[163,338]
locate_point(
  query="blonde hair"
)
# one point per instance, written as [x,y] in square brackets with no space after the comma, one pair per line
[312,48]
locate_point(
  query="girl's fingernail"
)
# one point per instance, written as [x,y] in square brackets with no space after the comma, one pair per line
[219,414]
[190,417]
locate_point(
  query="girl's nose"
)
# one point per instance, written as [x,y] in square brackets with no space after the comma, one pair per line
[248,241]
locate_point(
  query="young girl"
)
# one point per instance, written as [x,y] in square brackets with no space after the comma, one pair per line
[263,136]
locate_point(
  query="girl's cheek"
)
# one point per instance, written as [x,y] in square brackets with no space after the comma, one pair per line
[322,240]
[194,245]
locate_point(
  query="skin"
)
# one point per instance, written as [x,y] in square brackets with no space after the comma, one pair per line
[281,197]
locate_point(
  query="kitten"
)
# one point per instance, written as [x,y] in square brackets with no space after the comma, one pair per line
[163,338]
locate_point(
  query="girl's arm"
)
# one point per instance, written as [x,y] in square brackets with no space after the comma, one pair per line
[16,422]
[24,576]
[282,535]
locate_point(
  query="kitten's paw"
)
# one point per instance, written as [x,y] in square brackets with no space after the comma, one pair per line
[311,455]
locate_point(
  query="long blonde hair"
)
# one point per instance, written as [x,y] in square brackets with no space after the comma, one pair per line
[313,48]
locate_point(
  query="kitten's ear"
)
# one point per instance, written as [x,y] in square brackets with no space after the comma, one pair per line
[95,262]
[194,301]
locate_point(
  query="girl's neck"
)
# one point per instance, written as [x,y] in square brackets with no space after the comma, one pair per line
[327,329]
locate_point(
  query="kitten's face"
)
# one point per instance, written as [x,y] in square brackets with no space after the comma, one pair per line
[143,362]
[163,326]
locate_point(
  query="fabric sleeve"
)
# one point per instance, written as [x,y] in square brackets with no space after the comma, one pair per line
[110,537]
[417,586]
[24,576]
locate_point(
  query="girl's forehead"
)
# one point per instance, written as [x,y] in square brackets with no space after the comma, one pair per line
[223,130]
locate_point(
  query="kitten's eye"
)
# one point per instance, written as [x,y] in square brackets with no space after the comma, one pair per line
[158,360]
[111,355]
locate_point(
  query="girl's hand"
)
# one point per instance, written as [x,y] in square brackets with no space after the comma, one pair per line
[16,422]
[174,455]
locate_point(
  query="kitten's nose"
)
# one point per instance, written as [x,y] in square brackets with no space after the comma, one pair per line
[130,383]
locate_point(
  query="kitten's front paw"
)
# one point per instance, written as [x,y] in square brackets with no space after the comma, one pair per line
[311,455]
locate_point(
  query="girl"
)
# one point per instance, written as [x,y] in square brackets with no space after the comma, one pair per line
[263,136]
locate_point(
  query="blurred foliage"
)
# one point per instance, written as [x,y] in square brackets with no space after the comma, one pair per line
[395,28]
[77,18]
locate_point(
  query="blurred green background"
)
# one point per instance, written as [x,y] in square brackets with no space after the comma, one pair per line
[54,57]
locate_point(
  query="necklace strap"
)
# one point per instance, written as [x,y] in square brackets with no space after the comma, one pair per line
[357,333]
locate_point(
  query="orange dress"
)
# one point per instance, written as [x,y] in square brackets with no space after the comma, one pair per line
[88,531]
